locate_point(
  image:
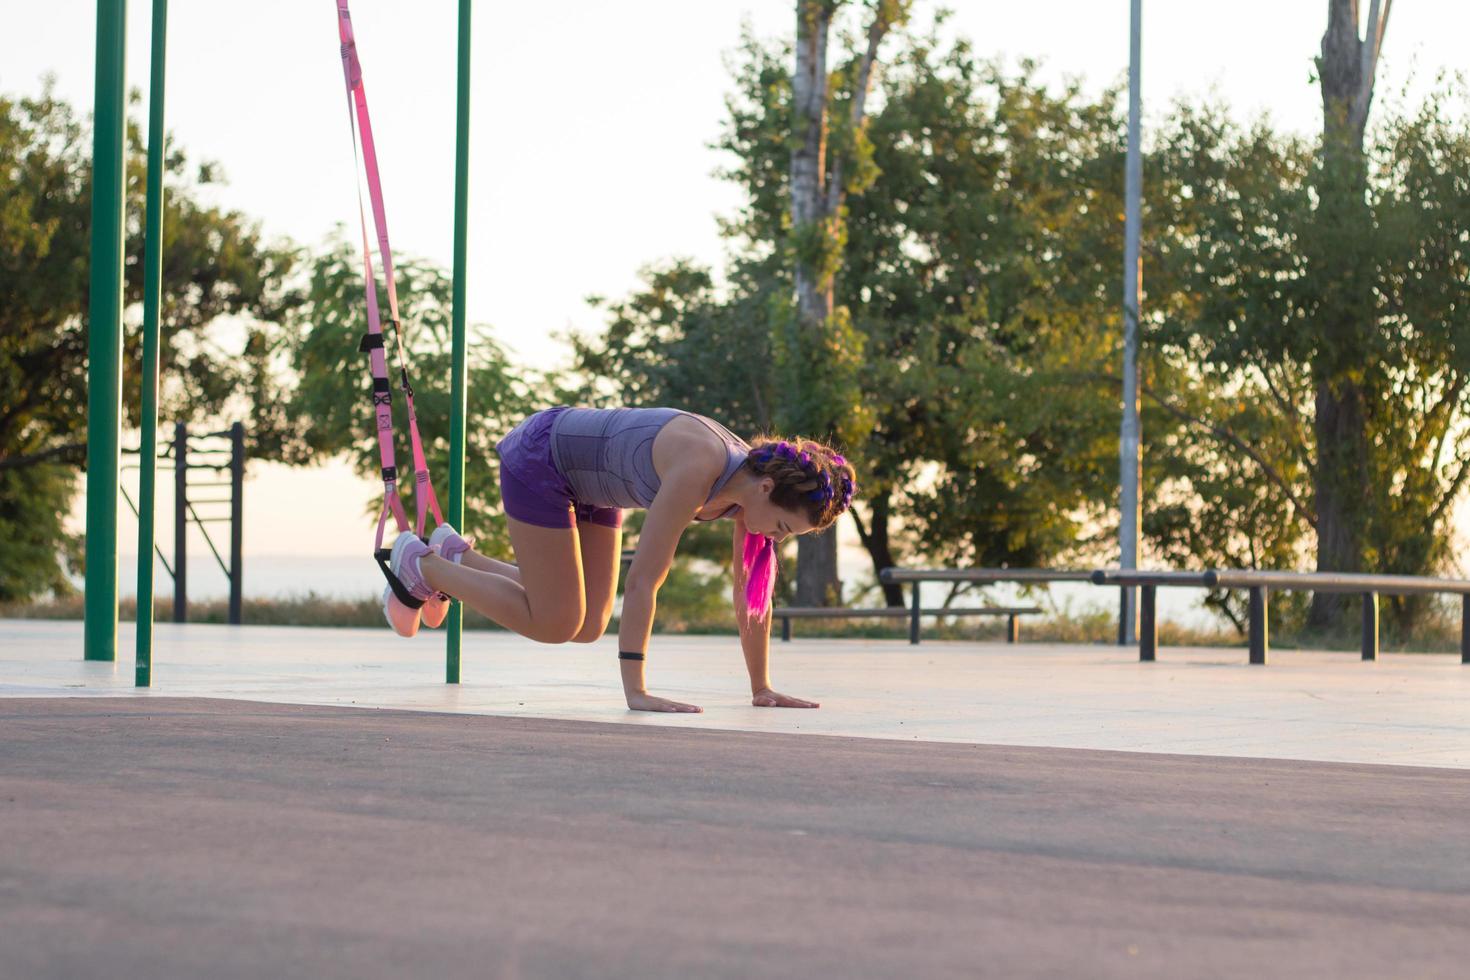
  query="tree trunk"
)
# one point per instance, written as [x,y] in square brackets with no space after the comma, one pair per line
[816,556]
[817,191]
[875,539]
[1346,67]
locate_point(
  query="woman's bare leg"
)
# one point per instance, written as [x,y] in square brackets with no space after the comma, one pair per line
[546,604]
[602,559]
[484,563]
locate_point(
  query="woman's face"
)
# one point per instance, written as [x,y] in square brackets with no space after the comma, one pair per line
[777,523]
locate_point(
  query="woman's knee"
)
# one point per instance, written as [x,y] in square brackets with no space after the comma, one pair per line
[593,628]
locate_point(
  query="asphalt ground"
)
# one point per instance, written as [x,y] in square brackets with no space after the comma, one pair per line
[185,837]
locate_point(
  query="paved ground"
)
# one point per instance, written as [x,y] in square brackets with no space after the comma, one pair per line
[1328,707]
[163,837]
[243,819]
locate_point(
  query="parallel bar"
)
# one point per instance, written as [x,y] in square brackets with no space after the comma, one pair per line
[181,524]
[104,331]
[152,292]
[785,629]
[914,615]
[455,626]
[1340,582]
[1122,617]
[1148,624]
[237,517]
[894,576]
[896,612]
[1260,625]
[1286,581]
[1370,625]
[1135,577]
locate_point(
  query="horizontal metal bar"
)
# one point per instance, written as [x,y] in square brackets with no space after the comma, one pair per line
[893,576]
[1341,582]
[1285,581]
[1131,577]
[897,612]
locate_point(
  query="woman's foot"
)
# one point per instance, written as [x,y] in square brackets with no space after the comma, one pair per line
[447,544]
[404,564]
[405,621]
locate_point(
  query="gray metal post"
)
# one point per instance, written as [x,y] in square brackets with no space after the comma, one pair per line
[1260,625]
[1465,629]
[1148,624]
[1013,628]
[914,617]
[1370,625]
[785,629]
[181,523]
[1129,450]
[237,513]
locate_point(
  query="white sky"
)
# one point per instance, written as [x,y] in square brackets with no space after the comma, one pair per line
[590,130]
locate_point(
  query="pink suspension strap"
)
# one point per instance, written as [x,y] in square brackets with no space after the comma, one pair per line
[372,341]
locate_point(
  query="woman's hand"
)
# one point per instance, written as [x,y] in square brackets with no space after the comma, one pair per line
[767,698]
[647,702]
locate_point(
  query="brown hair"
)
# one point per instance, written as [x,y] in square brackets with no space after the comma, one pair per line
[811,478]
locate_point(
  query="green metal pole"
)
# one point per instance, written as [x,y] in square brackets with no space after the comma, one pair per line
[457,382]
[152,288]
[104,333]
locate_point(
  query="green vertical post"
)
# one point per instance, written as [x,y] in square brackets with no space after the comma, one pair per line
[152,289]
[457,381]
[104,332]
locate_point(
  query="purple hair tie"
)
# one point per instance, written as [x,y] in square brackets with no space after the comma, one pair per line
[838,459]
[784,450]
[805,459]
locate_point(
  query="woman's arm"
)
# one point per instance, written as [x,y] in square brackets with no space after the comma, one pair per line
[681,493]
[755,635]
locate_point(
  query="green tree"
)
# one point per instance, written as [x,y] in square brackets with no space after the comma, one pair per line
[222,287]
[957,276]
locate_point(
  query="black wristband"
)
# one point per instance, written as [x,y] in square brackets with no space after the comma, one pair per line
[629,655]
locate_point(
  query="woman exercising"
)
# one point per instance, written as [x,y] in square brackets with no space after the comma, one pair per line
[565,475]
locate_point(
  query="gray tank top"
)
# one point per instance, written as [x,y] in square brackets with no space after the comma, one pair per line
[606,454]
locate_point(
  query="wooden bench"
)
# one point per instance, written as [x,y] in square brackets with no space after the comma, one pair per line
[787,613]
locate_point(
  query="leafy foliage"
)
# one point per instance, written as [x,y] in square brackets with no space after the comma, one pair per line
[220,282]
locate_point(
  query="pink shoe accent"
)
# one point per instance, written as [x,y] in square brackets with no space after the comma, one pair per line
[405,621]
[448,544]
[435,610]
[407,551]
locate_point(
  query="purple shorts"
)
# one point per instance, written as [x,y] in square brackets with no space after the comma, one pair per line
[532,488]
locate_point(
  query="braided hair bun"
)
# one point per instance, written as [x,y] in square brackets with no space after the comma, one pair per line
[811,478]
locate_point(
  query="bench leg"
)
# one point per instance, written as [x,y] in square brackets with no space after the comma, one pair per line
[1148,624]
[785,629]
[1260,626]
[1465,629]
[914,617]
[1013,628]
[1370,625]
